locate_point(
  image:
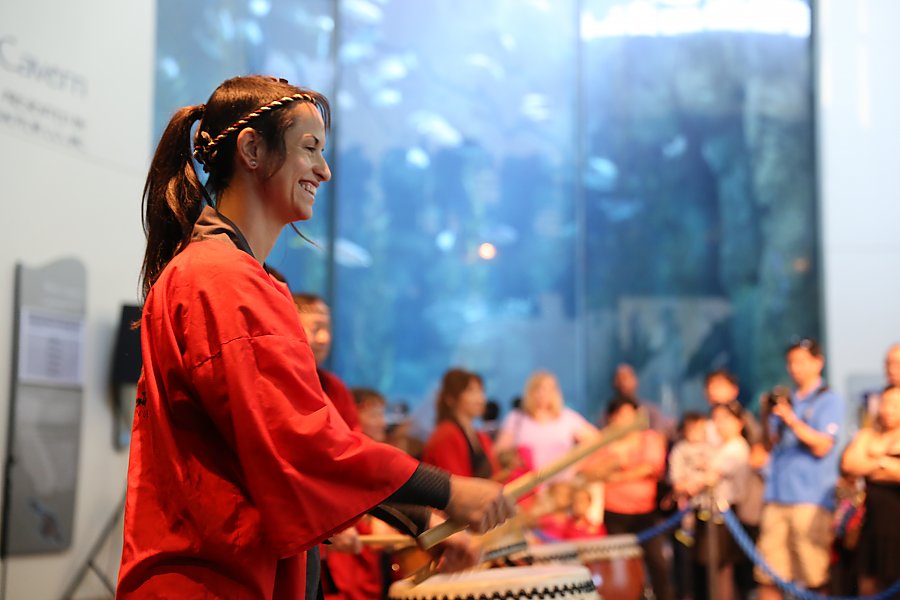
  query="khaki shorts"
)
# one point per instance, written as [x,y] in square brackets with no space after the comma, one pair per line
[795,541]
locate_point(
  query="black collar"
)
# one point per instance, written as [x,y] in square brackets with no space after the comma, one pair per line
[481,465]
[214,225]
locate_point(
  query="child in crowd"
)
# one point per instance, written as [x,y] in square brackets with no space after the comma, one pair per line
[581,524]
[370,407]
[553,519]
[689,459]
[688,464]
[728,473]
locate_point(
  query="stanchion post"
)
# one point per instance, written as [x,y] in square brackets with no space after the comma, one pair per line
[712,554]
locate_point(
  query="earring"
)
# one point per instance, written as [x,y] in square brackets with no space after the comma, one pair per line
[253,164]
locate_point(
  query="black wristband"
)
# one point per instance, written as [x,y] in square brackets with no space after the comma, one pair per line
[428,486]
[405,518]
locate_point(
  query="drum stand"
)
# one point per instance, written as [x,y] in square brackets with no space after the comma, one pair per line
[90,565]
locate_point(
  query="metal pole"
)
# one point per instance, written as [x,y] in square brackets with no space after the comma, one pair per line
[712,554]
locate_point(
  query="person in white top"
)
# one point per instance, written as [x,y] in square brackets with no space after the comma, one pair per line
[544,429]
[729,470]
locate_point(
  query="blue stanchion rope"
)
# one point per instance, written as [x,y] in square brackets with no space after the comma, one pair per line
[642,537]
[660,528]
[749,548]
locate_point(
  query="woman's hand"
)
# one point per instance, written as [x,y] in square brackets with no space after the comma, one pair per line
[694,487]
[509,459]
[457,553]
[602,470]
[478,503]
[759,457]
[346,541]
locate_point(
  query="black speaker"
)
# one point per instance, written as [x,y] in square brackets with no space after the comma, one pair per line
[127,352]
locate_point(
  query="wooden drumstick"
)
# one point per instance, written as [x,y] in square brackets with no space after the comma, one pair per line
[513,530]
[429,569]
[502,541]
[521,486]
[396,540]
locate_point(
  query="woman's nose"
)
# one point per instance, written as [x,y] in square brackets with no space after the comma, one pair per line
[322,171]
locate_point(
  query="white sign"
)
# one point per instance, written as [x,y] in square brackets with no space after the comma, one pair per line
[51,349]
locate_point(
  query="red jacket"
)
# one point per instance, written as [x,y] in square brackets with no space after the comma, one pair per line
[448,449]
[340,396]
[239,463]
[348,576]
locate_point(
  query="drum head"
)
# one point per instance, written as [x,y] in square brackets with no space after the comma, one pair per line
[551,581]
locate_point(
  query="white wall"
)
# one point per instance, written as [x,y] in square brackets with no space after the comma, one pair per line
[90,60]
[859,152]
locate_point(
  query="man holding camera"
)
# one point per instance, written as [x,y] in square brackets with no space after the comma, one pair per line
[801,427]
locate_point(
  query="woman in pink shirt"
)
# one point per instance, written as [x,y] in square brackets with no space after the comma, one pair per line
[544,429]
[631,469]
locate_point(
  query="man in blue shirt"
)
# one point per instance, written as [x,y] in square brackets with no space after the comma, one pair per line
[796,528]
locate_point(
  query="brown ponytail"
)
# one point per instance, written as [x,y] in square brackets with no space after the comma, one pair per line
[173,196]
[173,193]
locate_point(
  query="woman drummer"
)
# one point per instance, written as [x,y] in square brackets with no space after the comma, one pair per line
[239,464]
[456,445]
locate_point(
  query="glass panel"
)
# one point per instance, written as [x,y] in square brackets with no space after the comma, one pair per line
[699,175]
[456,212]
[199,45]
[533,184]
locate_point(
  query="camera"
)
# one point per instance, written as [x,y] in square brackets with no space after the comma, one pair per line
[778,394]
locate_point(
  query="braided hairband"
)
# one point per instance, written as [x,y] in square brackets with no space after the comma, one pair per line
[205,151]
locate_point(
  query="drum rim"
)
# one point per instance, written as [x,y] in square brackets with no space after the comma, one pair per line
[577,588]
[513,549]
[573,556]
[613,552]
[614,546]
[555,552]
[616,540]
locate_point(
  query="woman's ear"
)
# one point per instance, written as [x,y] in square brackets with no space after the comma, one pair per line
[249,148]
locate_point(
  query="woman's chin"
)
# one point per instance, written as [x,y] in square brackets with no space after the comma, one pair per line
[302,215]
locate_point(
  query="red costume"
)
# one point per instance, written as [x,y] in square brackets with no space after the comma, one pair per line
[345,575]
[580,528]
[449,448]
[353,576]
[554,526]
[340,396]
[239,463]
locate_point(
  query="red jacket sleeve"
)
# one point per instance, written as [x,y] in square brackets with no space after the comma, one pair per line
[340,396]
[305,470]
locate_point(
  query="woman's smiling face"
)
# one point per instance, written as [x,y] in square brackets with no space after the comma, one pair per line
[292,188]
